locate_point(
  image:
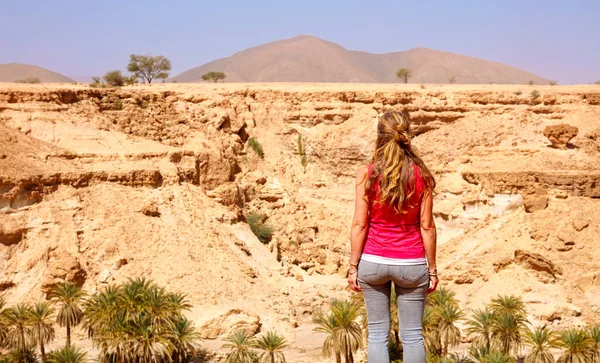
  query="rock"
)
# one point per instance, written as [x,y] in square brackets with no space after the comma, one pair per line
[460,280]
[228,194]
[535,199]
[299,277]
[6,284]
[579,224]
[105,276]
[63,267]
[537,262]
[151,210]
[230,322]
[560,135]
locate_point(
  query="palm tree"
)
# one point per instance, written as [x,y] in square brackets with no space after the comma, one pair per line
[480,326]
[431,334]
[18,332]
[326,323]
[507,331]
[68,354]
[497,357]
[69,298]
[3,323]
[576,345]
[185,337]
[347,333]
[240,344]
[508,304]
[442,296]
[449,314]
[541,340]
[22,355]
[42,329]
[594,334]
[272,344]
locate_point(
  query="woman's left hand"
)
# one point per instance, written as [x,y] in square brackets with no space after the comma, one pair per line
[353,280]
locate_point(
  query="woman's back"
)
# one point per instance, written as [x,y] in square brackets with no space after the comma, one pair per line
[392,234]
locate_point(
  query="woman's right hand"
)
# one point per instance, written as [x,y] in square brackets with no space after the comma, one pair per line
[433,282]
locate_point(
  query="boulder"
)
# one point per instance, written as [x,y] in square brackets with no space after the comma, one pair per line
[151,210]
[537,262]
[560,135]
[535,199]
[63,267]
[230,322]
[228,194]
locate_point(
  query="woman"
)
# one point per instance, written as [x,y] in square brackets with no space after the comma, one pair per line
[393,239]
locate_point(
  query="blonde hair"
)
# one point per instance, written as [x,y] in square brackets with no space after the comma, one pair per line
[393,170]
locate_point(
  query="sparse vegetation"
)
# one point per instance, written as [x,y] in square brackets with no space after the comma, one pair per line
[452,80]
[534,96]
[30,80]
[530,83]
[114,79]
[149,67]
[597,83]
[404,74]
[261,230]
[214,76]
[131,80]
[118,105]
[344,334]
[302,152]
[553,83]
[422,86]
[518,93]
[96,82]
[255,145]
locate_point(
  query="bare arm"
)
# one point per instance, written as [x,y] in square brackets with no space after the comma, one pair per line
[360,222]
[428,230]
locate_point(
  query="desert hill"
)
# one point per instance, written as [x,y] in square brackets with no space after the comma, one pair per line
[12,72]
[158,187]
[310,59]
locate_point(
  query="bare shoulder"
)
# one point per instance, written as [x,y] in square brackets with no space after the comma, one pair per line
[361,174]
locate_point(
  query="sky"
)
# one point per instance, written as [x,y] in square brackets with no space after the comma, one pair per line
[558,40]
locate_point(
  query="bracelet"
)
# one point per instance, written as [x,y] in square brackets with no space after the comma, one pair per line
[352,273]
[354,264]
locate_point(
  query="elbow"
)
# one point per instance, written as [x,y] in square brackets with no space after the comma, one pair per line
[360,226]
[428,226]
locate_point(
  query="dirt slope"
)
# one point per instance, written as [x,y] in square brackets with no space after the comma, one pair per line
[310,59]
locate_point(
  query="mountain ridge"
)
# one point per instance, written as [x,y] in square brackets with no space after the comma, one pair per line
[306,58]
[12,72]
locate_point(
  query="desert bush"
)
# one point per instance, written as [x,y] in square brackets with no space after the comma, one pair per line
[30,80]
[96,82]
[144,104]
[553,83]
[422,86]
[131,80]
[534,96]
[149,67]
[214,76]
[404,74]
[452,80]
[255,145]
[597,83]
[114,78]
[118,105]
[518,93]
[261,230]
[530,83]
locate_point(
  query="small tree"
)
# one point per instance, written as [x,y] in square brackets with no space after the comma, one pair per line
[553,83]
[114,78]
[95,82]
[149,67]
[214,76]
[452,80]
[131,80]
[31,80]
[530,83]
[69,298]
[404,74]
[534,96]
[597,83]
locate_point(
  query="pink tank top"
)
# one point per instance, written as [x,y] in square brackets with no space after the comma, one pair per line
[392,235]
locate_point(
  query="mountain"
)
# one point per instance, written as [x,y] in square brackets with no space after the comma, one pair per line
[11,72]
[310,59]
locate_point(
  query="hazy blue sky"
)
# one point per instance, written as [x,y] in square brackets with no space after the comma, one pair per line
[80,38]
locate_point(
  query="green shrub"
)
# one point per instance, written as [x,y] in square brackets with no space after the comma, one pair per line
[214,76]
[114,78]
[30,80]
[255,145]
[452,80]
[553,83]
[302,152]
[118,105]
[530,83]
[518,93]
[257,224]
[534,95]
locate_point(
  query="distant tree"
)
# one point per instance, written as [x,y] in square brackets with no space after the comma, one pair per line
[597,83]
[530,83]
[214,76]
[42,330]
[404,74]
[534,96]
[69,298]
[272,345]
[553,83]
[29,80]
[114,78]
[96,82]
[67,355]
[452,80]
[149,67]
